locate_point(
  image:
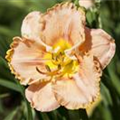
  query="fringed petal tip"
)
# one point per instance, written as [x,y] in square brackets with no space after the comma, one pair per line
[63,5]
[77,102]
[10,52]
[90,109]
[9,55]
[87,105]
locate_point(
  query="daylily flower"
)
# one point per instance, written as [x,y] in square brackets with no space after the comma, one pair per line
[86,3]
[59,58]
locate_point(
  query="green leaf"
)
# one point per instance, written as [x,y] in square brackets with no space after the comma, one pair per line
[6,31]
[9,84]
[115,108]
[4,95]
[29,115]
[11,115]
[106,103]
[115,80]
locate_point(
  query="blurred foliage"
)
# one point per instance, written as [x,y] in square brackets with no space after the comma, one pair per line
[13,105]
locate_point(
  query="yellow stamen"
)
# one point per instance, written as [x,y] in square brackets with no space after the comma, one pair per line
[58,63]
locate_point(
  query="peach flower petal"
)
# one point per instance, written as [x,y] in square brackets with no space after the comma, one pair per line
[24,56]
[68,94]
[31,27]
[63,21]
[41,97]
[100,44]
[82,90]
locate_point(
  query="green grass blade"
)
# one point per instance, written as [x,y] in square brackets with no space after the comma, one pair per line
[10,85]
[4,95]
[29,115]
[11,115]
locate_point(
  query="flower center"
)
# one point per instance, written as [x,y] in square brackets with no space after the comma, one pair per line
[58,64]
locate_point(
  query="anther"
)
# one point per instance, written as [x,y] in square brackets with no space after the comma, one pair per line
[48,68]
[59,66]
[60,53]
[40,71]
[52,56]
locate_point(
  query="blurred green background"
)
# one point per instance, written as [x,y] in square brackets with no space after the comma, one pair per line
[13,105]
